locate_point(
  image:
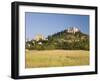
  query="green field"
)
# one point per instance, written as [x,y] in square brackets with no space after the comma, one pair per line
[56,58]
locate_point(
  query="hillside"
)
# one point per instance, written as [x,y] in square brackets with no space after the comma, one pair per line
[67,39]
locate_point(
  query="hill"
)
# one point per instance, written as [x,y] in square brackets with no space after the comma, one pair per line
[68,39]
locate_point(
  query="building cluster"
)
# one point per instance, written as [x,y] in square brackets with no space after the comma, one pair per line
[39,37]
[72,30]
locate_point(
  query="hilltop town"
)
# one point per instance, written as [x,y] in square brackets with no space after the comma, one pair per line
[71,38]
[72,30]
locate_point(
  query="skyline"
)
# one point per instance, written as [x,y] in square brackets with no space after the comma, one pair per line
[50,23]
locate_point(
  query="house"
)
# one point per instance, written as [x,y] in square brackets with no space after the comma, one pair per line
[40,43]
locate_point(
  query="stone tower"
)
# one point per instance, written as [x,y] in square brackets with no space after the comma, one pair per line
[39,37]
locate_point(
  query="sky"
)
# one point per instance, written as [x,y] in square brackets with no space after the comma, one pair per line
[50,23]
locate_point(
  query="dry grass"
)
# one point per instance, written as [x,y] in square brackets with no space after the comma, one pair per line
[56,58]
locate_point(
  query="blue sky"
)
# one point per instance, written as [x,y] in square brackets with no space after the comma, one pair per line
[50,23]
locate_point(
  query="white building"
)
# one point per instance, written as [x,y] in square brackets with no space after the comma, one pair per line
[40,43]
[73,30]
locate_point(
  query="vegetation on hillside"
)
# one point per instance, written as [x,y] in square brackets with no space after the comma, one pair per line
[61,40]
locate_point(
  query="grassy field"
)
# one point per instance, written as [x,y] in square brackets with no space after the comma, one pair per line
[56,58]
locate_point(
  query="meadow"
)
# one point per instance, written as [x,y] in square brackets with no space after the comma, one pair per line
[55,58]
